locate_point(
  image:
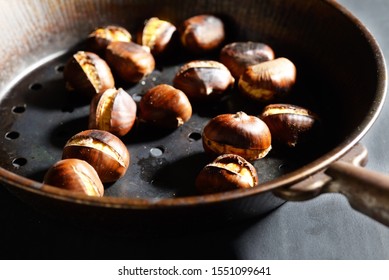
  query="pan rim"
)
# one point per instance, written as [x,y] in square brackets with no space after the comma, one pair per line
[11,179]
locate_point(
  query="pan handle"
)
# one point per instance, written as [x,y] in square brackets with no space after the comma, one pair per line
[367,191]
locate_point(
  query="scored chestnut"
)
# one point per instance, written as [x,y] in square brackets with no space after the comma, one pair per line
[237,56]
[156,34]
[239,133]
[289,124]
[99,39]
[88,74]
[227,172]
[165,106]
[74,175]
[101,149]
[202,33]
[130,61]
[114,110]
[268,80]
[203,80]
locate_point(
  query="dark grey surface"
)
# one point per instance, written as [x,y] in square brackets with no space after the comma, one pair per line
[323,228]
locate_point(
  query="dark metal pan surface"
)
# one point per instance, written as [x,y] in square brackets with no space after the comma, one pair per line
[341,76]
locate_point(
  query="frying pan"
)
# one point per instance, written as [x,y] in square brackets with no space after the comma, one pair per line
[341,76]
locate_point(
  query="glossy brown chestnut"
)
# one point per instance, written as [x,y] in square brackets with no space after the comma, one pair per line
[203,80]
[156,34]
[101,149]
[114,110]
[165,106]
[238,56]
[75,175]
[227,172]
[239,133]
[87,73]
[268,80]
[202,33]
[99,39]
[289,124]
[130,61]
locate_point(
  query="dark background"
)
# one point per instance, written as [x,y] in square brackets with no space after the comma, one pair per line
[323,228]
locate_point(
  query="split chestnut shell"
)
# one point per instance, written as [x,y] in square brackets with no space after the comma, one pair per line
[101,149]
[74,175]
[227,172]
[289,124]
[239,133]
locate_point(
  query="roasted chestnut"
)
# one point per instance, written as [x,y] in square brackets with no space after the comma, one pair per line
[87,73]
[165,106]
[289,124]
[268,80]
[99,39]
[203,80]
[75,175]
[238,56]
[239,133]
[101,149]
[130,61]
[114,110]
[227,172]
[156,34]
[202,33]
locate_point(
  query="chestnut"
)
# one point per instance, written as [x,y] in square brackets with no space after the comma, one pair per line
[130,61]
[203,80]
[156,35]
[101,149]
[114,110]
[289,124]
[99,39]
[74,175]
[87,73]
[202,33]
[239,133]
[165,106]
[237,56]
[227,172]
[268,80]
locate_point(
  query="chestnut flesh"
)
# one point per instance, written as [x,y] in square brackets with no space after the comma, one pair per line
[101,149]
[165,106]
[157,35]
[237,56]
[239,133]
[87,73]
[113,111]
[202,33]
[289,124]
[129,61]
[75,175]
[227,172]
[268,80]
[203,80]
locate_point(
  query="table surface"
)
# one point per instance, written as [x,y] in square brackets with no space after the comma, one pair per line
[323,228]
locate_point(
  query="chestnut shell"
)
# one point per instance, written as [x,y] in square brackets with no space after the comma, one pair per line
[130,61]
[113,111]
[290,124]
[74,175]
[101,37]
[203,80]
[87,73]
[239,133]
[101,149]
[227,172]
[165,106]
[202,33]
